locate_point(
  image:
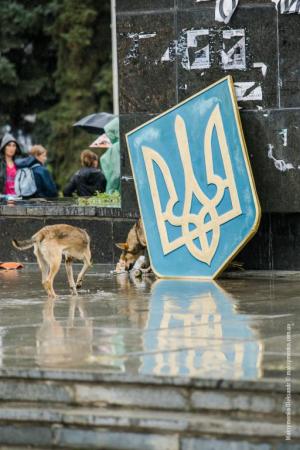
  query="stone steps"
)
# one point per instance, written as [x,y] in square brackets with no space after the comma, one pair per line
[77,427]
[150,394]
[141,420]
[89,411]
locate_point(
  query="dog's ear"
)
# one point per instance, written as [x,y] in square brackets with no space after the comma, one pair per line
[122,246]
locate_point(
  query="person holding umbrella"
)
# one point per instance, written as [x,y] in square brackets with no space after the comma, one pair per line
[95,123]
[107,123]
[110,160]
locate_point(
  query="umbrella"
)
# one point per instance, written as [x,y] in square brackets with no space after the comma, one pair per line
[95,123]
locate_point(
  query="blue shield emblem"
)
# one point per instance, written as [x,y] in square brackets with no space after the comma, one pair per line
[194,184]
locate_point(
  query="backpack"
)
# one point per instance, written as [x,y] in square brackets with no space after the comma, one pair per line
[25,184]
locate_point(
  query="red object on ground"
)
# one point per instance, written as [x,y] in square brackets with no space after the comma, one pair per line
[11,265]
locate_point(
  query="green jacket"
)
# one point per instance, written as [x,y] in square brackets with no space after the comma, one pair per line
[110,161]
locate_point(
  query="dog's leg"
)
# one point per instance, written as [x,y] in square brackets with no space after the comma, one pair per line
[41,262]
[69,270]
[86,265]
[54,263]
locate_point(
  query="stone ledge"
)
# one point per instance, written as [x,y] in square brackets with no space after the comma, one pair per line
[216,444]
[58,436]
[262,274]
[135,396]
[265,385]
[90,439]
[111,440]
[13,390]
[51,210]
[150,396]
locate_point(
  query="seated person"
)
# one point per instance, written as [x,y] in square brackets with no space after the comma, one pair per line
[44,182]
[89,179]
[9,151]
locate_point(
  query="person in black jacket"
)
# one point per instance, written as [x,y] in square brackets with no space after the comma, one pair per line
[89,179]
[45,186]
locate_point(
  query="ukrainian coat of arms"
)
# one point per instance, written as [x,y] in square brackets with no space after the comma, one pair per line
[194,184]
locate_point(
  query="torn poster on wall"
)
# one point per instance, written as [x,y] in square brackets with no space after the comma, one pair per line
[134,49]
[287,6]
[234,50]
[194,59]
[279,164]
[248,91]
[284,135]
[285,151]
[171,52]
[193,47]
[225,8]
[262,66]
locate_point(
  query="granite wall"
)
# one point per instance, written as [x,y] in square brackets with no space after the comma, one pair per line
[170,49]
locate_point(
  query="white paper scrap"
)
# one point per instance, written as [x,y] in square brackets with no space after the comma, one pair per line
[287,6]
[198,58]
[225,9]
[248,91]
[234,50]
[262,66]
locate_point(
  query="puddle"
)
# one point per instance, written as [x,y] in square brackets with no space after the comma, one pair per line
[233,329]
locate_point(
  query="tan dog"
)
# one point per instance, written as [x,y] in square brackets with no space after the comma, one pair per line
[50,244]
[134,247]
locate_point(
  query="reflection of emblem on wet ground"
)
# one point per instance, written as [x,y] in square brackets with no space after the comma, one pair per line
[200,232]
[193,329]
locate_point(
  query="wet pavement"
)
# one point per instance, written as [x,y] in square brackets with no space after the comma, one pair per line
[236,328]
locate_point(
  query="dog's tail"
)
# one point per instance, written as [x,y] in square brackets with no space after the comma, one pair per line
[23,245]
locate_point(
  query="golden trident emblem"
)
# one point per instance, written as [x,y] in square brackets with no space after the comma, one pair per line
[207,249]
